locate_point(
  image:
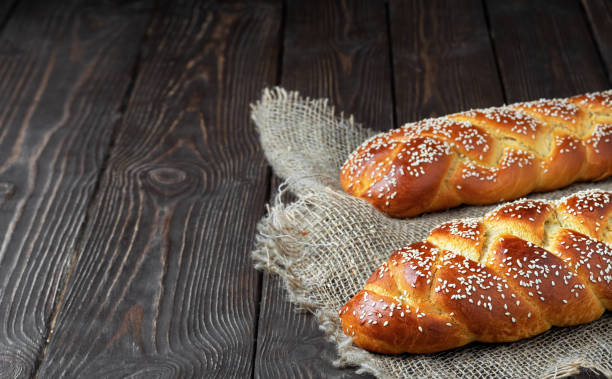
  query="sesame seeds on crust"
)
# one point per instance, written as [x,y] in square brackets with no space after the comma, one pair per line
[545,144]
[514,288]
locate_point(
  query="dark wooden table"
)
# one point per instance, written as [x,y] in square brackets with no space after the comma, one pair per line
[131,178]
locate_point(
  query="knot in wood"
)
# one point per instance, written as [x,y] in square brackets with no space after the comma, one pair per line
[169,181]
[167,175]
[6,191]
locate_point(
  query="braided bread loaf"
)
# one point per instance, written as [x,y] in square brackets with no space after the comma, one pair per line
[484,156]
[521,269]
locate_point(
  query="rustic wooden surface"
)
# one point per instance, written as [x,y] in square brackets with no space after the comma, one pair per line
[163,285]
[544,49]
[131,179]
[442,58]
[64,70]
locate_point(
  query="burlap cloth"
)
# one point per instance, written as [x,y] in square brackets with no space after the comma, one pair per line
[325,244]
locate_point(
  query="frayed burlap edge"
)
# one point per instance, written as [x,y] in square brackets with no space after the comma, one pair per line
[279,247]
[268,256]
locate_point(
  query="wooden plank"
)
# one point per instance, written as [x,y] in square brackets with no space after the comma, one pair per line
[64,70]
[290,344]
[600,16]
[336,50]
[544,49]
[442,58]
[164,285]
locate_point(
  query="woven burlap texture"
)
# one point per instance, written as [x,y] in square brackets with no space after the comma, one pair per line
[325,244]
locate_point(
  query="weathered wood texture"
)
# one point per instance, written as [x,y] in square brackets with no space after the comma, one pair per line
[442,58]
[600,16]
[544,49]
[64,70]
[291,345]
[339,50]
[163,284]
[336,50]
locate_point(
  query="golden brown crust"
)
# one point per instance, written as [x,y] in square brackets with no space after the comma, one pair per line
[409,268]
[588,214]
[599,153]
[379,323]
[552,287]
[515,175]
[484,156]
[483,301]
[524,267]
[466,236]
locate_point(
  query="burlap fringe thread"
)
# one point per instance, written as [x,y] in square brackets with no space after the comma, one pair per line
[325,244]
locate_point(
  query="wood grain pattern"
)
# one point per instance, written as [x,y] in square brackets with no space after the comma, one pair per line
[442,58]
[290,343]
[544,49]
[163,284]
[337,50]
[62,66]
[599,14]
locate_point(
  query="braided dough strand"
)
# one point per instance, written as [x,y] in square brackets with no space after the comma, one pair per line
[523,268]
[484,156]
